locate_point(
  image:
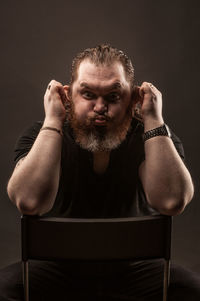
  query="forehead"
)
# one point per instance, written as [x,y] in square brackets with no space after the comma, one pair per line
[101,75]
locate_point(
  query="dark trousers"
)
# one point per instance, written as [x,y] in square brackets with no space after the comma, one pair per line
[98,281]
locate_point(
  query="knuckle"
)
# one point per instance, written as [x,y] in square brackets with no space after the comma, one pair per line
[51,82]
[55,84]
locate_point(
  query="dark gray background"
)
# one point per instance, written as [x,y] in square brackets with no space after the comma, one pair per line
[38,42]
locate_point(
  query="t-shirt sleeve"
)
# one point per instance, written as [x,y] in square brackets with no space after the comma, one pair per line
[26,140]
[176,140]
[178,145]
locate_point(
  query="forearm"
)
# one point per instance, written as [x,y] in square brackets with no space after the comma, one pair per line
[166,180]
[34,183]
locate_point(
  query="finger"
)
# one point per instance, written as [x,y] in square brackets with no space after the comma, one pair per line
[147,87]
[153,88]
[50,84]
[62,94]
[53,85]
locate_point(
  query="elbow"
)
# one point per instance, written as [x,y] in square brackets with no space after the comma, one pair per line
[171,207]
[24,207]
[173,204]
[28,208]
[26,204]
[32,207]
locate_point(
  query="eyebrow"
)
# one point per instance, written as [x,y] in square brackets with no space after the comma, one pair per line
[114,86]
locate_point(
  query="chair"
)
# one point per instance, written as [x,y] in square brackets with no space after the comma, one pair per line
[136,238]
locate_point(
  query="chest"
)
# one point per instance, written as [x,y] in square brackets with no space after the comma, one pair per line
[100,162]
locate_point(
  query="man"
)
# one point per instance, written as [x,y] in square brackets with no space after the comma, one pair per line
[89,158]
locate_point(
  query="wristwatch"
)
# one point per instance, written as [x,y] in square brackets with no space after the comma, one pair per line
[162,130]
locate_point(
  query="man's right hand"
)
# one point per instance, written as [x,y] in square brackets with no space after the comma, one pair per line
[55,102]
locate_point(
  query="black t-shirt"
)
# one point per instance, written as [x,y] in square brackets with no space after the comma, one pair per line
[84,194]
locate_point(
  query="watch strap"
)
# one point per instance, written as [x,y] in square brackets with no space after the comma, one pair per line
[162,130]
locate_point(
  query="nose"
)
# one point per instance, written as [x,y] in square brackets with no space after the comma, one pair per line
[100,106]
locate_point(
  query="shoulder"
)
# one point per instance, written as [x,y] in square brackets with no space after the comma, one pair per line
[31,130]
[177,143]
[26,139]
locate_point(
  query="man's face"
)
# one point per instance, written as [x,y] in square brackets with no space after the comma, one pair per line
[101,106]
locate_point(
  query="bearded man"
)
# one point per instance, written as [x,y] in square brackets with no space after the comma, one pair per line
[95,155]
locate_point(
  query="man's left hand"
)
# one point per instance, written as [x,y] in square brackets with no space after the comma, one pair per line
[149,99]
[151,102]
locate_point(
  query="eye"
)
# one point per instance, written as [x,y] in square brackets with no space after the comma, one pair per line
[113,97]
[88,95]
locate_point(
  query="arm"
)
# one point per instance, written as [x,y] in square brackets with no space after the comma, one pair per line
[34,183]
[165,179]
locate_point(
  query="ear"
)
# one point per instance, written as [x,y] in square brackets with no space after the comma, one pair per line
[135,95]
[67,91]
[137,103]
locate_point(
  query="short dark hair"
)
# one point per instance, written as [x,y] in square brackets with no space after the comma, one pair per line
[103,54]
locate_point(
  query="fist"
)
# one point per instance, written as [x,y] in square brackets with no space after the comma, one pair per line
[148,102]
[55,100]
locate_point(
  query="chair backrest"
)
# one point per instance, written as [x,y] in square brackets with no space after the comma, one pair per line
[45,238]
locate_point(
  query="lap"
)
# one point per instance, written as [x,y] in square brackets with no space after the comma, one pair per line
[137,281]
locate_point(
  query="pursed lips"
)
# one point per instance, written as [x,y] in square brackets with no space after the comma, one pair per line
[100,120]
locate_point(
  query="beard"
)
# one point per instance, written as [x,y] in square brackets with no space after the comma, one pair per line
[94,138]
